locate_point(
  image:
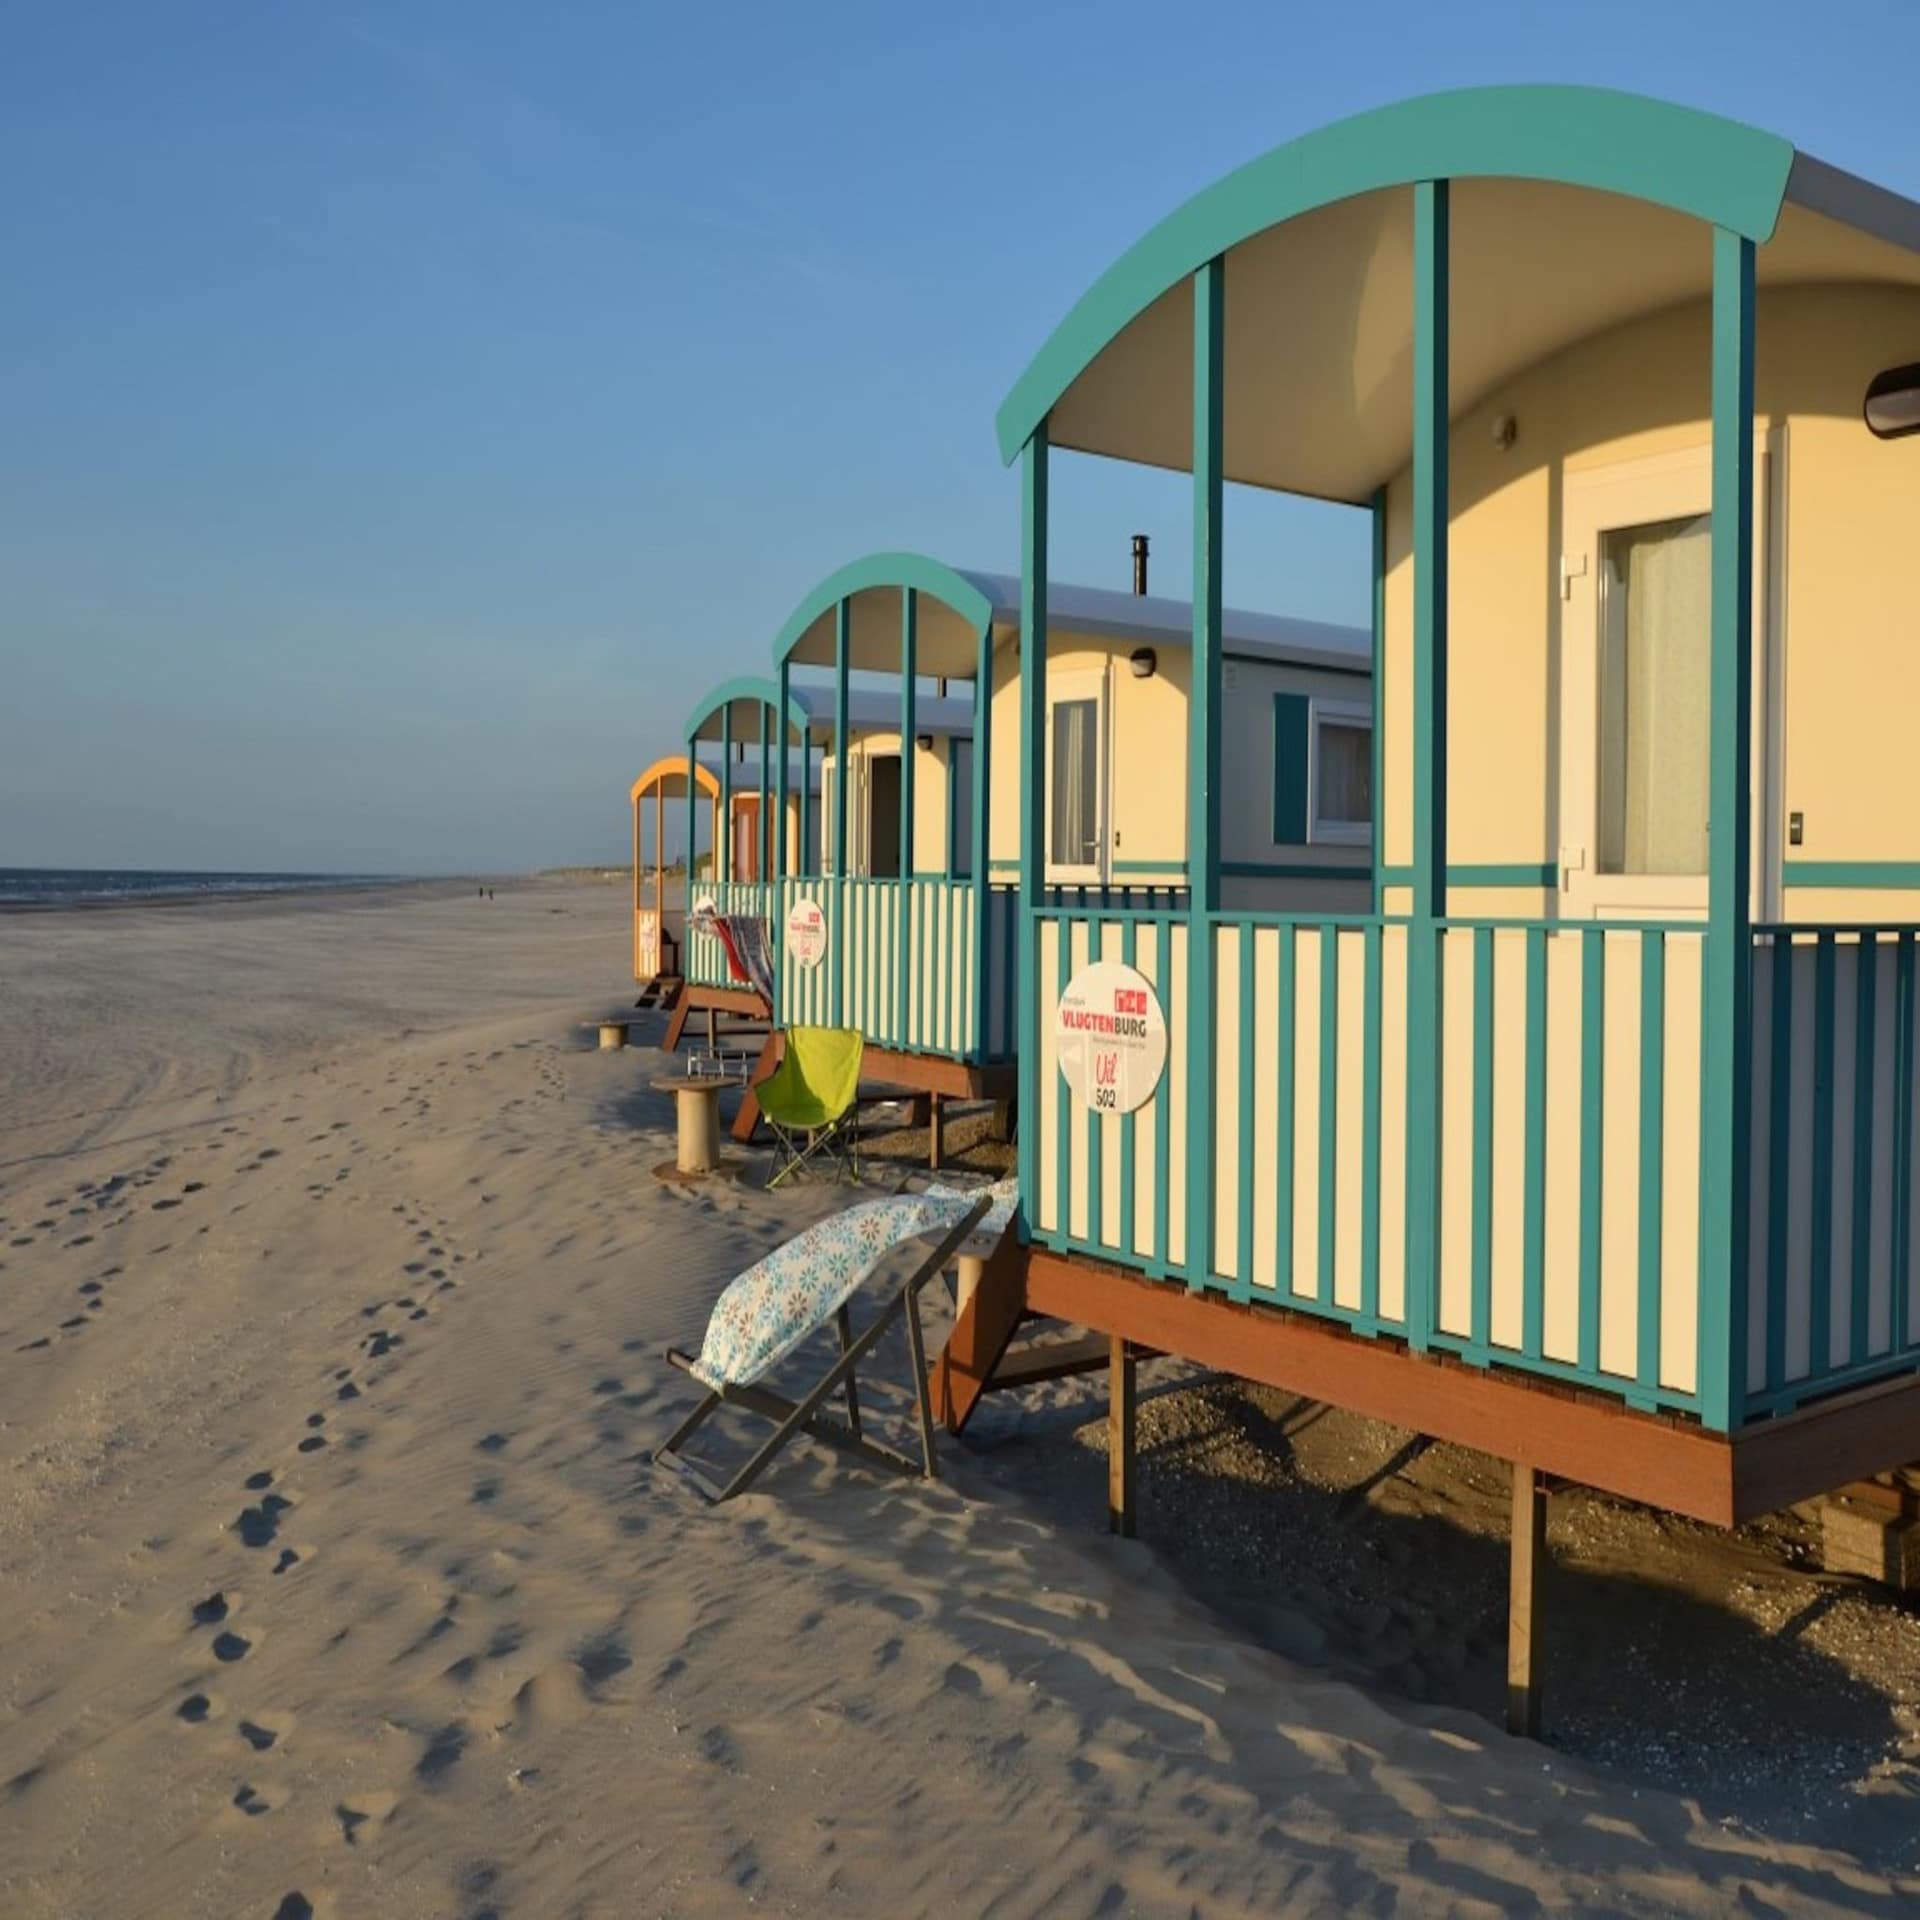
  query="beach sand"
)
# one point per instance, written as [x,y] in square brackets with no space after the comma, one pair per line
[335,1580]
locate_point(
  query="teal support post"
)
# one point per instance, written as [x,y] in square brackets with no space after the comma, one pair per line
[723,853]
[979,868]
[784,731]
[1203,760]
[803,862]
[837,986]
[693,793]
[763,835]
[1726,988]
[1379,849]
[909,753]
[1033,806]
[777,890]
[1429,873]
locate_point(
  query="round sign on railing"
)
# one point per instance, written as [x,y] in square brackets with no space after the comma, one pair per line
[1111,1037]
[807,933]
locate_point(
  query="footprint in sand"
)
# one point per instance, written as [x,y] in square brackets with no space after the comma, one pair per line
[442,1754]
[252,1802]
[260,1526]
[198,1708]
[211,1611]
[363,1813]
[229,1647]
[294,1906]
[266,1732]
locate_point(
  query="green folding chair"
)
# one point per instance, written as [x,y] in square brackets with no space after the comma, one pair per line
[810,1100]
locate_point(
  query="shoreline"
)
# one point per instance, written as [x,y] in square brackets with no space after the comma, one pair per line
[330,891]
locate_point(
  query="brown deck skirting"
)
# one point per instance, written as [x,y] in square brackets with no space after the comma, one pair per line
[934,1073]
[1572,1434]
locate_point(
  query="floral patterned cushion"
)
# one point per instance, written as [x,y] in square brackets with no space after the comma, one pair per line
[772,1307]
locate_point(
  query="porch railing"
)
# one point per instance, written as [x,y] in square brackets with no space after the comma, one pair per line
[1834,1281]
[907,962]
[706,957]
[1568,1132]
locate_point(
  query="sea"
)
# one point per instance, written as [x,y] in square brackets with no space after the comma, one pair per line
[100,886]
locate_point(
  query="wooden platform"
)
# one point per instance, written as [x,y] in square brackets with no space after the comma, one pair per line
[1569,1434]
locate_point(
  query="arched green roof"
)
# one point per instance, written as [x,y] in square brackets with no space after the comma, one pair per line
[966,598]
[749,690]
[1694,163]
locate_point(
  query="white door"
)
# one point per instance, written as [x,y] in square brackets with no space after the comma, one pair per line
[1636,645]
[1077,774]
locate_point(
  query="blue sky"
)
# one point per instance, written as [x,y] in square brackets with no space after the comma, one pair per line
[407,411]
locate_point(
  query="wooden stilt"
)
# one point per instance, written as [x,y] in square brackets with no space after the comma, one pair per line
[1122,1472]
[936,1107]
[1527,1565]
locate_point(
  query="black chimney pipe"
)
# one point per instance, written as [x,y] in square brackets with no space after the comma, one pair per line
[1140,563]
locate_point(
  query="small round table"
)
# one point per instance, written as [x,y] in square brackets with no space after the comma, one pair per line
[698,1104]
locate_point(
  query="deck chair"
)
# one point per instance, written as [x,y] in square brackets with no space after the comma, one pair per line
[811,1101]
[777,1305]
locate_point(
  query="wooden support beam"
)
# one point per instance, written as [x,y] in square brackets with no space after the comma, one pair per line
[1034,1362]
[935,1128]
[747,1118]
[1527,1565]
[1590,1439]
[1122,1459]
[980,1335]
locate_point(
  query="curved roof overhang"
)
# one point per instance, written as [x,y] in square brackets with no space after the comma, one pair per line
[741,701]
[1573,210]
[952,612]
[672,767]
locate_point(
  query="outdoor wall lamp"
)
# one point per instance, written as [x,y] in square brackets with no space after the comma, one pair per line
[1144,662]
[1892,405]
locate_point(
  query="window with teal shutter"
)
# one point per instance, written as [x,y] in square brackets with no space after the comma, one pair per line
[1292,717]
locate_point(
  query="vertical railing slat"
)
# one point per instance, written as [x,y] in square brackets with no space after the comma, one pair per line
[1820,1314]
[1481,1168]
[1329,1107]
[1062,1107]
[1779,1156]
[1096,1128]
[1129,947]
[1903,1010]
[1283,1157]
[1593,1066]
[1653,1116]
[1162,1096]
[1243,1160]
[1370,1131]
[1533,1205]
[1865,993]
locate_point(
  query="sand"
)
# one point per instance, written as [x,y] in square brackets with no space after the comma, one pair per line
[335,1580]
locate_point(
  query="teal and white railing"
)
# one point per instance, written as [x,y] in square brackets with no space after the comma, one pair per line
[706,959]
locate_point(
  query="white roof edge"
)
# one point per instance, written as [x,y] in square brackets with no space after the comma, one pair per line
[1855,202]
[869,707]
[1108,614]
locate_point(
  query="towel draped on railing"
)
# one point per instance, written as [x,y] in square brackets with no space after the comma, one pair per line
[777,1303]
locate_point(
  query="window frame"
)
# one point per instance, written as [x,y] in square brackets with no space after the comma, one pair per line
[1331,710]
